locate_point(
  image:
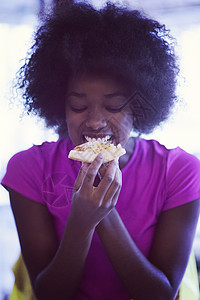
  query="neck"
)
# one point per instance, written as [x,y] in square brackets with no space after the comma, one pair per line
[130,147]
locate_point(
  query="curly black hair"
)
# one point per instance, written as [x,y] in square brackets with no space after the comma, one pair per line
[77,38]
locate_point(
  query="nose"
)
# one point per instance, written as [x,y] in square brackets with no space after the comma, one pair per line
[96,120]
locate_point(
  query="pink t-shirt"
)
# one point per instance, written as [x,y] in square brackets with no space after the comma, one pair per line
[154,180]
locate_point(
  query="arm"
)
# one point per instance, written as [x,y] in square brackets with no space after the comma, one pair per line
[160,276]
[42,255]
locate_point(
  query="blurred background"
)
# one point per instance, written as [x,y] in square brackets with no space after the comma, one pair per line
[18,20]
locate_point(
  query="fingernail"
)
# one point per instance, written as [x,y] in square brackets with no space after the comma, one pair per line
[116,160]
[101,155]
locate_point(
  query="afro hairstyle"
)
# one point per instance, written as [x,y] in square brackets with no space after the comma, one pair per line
[78,39]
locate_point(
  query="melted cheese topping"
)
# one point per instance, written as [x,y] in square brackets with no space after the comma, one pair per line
[88,151]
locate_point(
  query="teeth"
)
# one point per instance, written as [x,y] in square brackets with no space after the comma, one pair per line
[100,140]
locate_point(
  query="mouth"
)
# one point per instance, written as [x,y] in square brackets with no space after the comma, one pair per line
[91,139]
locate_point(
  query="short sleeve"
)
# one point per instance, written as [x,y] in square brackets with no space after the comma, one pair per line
[182,178]
[24,174]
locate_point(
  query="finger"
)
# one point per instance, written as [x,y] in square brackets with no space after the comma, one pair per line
[92,171]
[104,167]
[107,179]
[80,176]
[114,190]
[102,170]
[112,202]
[116,196]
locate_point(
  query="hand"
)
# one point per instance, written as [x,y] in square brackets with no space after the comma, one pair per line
[91,204]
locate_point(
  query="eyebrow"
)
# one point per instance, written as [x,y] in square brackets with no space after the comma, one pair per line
[75,94]
[108,96]
[112,95]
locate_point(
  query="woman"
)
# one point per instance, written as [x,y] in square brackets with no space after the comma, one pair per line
[90,231]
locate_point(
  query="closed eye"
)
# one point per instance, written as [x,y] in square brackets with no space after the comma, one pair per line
[114,109]
[78,109]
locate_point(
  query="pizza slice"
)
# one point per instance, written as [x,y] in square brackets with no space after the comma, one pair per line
[88,151]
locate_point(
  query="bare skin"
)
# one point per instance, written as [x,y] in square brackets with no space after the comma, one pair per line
[93,208]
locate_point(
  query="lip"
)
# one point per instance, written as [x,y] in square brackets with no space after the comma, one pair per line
[96,136]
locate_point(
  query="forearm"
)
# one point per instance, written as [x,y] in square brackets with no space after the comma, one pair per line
[140,278]
[60,278]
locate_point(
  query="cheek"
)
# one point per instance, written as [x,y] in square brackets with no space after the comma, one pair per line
[72,122]
[72,128]
[73,119]
[126,123]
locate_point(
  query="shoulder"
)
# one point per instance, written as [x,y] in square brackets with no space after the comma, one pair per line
[183,170]
[180,159]
[28,169]
[152,148]
[39,160]
[39,153]
[174,157]
[182,174]
[178,170]
[150,154]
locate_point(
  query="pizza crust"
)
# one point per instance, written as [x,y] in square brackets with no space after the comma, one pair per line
[88,151]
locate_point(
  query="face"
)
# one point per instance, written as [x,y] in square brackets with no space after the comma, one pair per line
[93,110]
